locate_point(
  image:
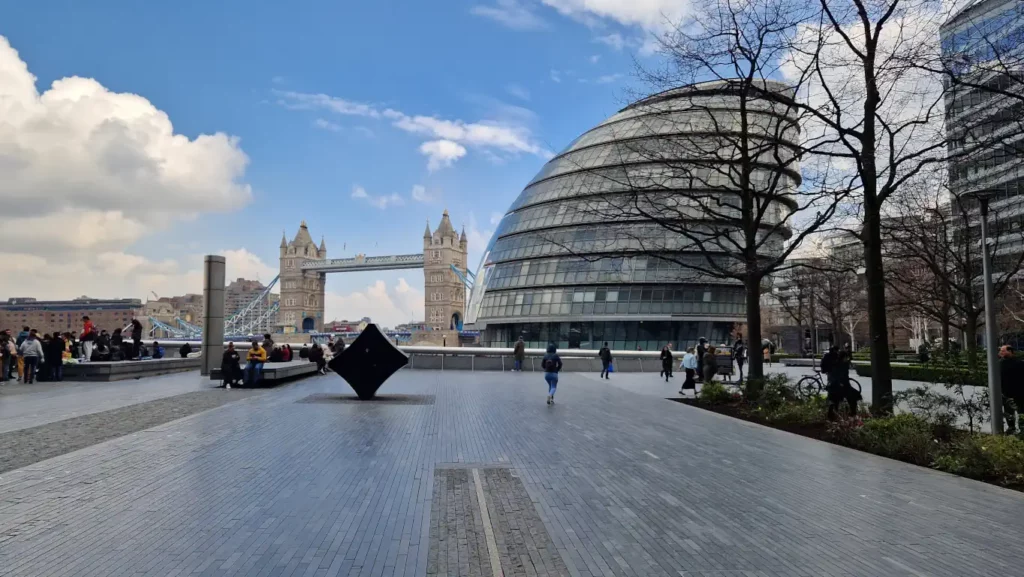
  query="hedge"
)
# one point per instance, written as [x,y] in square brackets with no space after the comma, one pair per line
[931,374]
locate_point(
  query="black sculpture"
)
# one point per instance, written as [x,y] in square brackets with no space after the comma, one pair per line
[370,360]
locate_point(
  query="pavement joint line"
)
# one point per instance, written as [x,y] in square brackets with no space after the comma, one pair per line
[652,455]
[492,545]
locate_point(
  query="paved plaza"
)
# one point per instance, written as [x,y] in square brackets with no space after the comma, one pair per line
[461,473]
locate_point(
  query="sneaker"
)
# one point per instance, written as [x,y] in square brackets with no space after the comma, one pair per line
[550,399]
[227,386]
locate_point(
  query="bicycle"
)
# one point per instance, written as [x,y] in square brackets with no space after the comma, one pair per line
[813,386]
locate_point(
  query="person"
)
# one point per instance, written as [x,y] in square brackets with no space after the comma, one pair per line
[117,338]
[304,352]
[828,360]
[287,353]
[666,363]
[136,338]
[100,352]
[551,364]
[230,371]
[922,353]
[708,364]
[339,346]
[275,355]
[519,354]
[88,338]
[689,365]
[21,360]
[268,343]
[739,354]
[31,350]
[55,358]
[104,339]
[185,350]
[1012,373]
[839,388]
[254,367]
[316,355]
[5,359]
[158,351]
[767,352]
[606,360]
[702,349]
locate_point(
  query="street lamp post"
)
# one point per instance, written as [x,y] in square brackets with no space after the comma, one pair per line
[995,391]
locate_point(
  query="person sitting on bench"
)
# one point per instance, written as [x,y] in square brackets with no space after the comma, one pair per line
[254,368]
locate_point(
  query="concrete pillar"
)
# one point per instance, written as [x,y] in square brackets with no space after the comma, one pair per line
[213,312]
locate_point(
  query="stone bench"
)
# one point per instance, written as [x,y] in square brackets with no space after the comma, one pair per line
[277,372]
[105,371]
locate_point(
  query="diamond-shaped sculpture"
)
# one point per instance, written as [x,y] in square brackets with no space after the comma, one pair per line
[370,360]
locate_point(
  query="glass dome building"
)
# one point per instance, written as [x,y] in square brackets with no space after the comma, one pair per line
[569,263]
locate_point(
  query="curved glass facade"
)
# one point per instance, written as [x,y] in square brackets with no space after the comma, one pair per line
[580,258]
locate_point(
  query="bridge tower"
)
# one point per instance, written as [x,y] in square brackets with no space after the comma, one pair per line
[302,292]
[444,294]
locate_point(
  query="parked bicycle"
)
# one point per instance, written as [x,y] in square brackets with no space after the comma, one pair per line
[814,385]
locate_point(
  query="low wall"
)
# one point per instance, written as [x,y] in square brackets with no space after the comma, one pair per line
[123,370]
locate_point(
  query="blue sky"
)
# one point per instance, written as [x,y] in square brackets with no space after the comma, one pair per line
[460,102]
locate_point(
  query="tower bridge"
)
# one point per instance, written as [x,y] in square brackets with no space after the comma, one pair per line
[304,267]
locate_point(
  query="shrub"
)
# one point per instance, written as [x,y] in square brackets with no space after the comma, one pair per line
[811,412]
[714,393]
[986,457]
[906,437]
[770,393]
[932,374]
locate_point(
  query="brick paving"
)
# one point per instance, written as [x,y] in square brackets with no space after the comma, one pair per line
[620,484]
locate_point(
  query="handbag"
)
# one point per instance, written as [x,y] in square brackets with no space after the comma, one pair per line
[611,367]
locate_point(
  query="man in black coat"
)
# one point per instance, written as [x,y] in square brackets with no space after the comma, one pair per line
[136,337]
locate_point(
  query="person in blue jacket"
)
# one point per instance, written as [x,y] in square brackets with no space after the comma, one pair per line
[551,364]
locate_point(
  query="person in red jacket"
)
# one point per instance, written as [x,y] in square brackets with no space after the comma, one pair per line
[88,337]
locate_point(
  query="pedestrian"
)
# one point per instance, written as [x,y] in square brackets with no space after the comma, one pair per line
[767,352]
[5,359]
[286,353]
[702,349]
[136,338]
[839,387]
[739,354]
[519,355]
[666,363]
[827,362]
[1012,375]
[230,371]
[55,358]
[708,365]
[185,350]
[689,365]
[254,366]
[606,360]
[551,364]
[21,360]
[268,343]
[316,355]
[31,350]
[88,338]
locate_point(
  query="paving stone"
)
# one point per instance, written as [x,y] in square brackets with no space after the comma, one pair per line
[610,482]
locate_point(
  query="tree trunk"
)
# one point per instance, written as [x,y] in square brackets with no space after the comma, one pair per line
[881,371]
[971,338]
[755,362]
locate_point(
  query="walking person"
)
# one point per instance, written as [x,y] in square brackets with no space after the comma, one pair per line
[254,365]
[31,351]
[88,338]
[551,364]
[739,354]
[606,360]
[519,355]
[702,349]
[689,365]
[55,357]
[709,365]
[767,352]
[21,360]
[839,387]
[666,362]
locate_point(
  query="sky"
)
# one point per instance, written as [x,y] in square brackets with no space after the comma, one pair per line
[136,137]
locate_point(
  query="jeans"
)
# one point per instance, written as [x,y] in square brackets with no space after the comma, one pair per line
[518,366]
[253,372]
[30,369]
[87,350]
[5,367]
[552,379]
[56,372]
[604,368]
[739,364]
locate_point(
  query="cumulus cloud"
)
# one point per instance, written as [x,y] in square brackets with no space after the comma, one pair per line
[511,13]
[380,201]
[441,153]
[647,14]
[614,40]
[386,306]
[86,172]
[490,136]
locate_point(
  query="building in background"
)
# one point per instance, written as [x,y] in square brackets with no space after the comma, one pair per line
[555,270]
[443,291]
[240,292]
[302,291]
[66,316]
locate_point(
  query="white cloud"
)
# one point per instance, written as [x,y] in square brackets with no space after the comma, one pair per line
[518,91]
[614,40]
[380,201]
[388,307]
[648,14]
[608,78]
[420,194]
[511,13]
[327,125]
[441,153]
[511,137]
[87,172]
[556,76]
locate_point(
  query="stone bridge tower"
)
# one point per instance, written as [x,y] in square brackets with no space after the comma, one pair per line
[444,292]
[302,292]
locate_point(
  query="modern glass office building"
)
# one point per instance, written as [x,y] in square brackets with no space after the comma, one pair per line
[561,267]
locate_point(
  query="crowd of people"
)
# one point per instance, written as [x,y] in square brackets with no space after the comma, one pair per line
[233,373]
